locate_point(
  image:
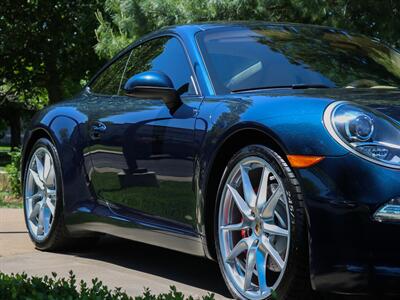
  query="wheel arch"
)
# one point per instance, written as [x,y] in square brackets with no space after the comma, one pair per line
[33,137]
[63,132]
[233,142]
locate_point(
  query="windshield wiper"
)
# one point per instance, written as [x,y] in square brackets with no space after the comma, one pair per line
[310,86]
[300,86]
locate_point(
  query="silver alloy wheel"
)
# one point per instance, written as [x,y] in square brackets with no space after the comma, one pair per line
[254,228]
[40,193]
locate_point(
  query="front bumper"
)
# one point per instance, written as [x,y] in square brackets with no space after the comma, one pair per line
[350,252]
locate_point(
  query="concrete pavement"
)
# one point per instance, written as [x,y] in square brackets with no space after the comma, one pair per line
[13,235]
[116,262]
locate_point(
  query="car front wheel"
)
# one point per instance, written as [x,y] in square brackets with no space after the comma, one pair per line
[260,228]
[43,199]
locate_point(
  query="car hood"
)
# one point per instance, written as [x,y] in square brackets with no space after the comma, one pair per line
[386,101]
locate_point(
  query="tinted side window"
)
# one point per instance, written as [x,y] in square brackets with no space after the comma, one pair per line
[109,81]
[164,54]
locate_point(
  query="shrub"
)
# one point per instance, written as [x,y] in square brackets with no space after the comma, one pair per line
[14,173]
[20,286]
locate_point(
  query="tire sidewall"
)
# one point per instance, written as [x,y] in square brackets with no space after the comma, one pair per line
[296,219]
[49,240]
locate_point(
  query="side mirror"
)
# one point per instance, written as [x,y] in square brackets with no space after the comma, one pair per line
[153,85]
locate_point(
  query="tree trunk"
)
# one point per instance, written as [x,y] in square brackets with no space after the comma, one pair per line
[53,81]
[54,91]
[15,126]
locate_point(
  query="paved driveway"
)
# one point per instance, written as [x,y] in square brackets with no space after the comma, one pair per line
[117,262]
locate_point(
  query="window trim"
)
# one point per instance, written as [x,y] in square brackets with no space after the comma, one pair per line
[196,38]
[104,69]
[137,44]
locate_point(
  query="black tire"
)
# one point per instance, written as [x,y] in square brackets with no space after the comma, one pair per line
[58,238]
[295,283]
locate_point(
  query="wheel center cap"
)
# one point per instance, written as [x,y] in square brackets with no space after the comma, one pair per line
[258,228]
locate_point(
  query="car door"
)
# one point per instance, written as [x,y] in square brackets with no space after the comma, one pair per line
[143,155]
[97,100]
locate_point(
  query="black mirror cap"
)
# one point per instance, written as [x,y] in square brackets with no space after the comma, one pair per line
[153,85]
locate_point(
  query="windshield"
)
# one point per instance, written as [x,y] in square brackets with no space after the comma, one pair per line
[272,56]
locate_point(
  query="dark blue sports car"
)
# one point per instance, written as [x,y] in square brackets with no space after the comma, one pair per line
[271,148]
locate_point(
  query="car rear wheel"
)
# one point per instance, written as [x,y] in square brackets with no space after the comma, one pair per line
[260,228]
[43,198]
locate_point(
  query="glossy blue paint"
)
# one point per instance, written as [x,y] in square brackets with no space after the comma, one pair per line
[148,79]
[346,243]
[146,175]
[155,85]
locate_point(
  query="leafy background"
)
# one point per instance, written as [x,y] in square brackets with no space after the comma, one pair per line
[49,49]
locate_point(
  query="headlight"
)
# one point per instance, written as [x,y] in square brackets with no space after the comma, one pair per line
[365,132]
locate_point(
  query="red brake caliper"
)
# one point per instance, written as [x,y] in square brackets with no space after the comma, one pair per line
[243,232]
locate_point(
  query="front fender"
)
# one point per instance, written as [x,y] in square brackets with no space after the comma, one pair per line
[70,143]
[296,122]
[65,133]
[293,123]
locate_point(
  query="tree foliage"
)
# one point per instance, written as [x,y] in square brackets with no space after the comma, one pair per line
[46,45]
[126,20]
[46,49]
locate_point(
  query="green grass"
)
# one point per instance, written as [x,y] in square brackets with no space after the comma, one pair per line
[5,148]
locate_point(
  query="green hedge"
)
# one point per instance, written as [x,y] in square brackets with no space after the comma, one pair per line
[14,172]
[21,286]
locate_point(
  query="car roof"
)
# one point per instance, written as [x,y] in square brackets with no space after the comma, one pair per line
[191,29]
[200,26]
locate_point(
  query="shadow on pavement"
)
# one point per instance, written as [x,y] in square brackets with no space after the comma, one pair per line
[186,269]
[191,270]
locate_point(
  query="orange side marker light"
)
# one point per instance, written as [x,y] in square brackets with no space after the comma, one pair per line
[304,161]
